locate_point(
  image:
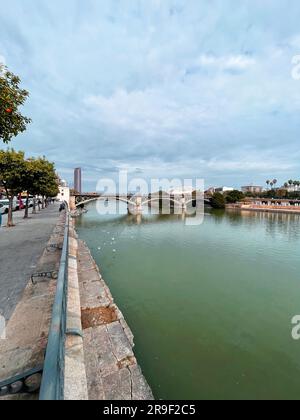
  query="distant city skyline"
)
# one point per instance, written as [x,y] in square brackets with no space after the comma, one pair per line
[167,88]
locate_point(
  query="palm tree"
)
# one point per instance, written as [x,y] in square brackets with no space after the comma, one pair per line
[286,185]
[295,183]
[274,181]
[268,182]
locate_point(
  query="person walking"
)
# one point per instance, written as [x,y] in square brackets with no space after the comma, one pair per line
[62,207]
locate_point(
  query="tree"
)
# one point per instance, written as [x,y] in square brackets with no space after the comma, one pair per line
[234,196]
[45,182]
[11,168]
[295,183]
[29,178]
[218,201]
[281,193]
[12,97]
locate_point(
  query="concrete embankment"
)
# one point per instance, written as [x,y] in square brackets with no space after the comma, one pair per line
[264,209]
[101,364]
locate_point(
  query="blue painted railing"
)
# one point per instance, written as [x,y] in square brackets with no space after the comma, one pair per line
[52,386]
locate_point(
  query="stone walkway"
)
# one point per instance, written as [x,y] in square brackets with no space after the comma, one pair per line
[20,249]
[111,367]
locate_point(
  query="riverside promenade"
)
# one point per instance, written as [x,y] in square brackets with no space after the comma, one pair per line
[99,360]
[20,249]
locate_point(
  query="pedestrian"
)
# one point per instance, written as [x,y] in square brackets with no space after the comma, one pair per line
[62,207]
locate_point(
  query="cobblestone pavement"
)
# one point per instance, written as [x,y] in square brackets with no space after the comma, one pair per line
[20,249]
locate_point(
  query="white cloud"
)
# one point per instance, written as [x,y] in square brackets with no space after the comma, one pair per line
[2,59]
[231,62]
[149,111]
[163,79]
[295,41]
[2,62]
[253,163]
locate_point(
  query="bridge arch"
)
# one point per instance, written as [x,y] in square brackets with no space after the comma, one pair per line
[90,200]
[171,200]
[142,201]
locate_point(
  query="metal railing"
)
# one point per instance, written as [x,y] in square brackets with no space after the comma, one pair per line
[52,386]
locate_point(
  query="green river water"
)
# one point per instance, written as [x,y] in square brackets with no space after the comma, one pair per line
[211,305]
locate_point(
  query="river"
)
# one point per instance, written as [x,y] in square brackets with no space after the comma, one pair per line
[211,305]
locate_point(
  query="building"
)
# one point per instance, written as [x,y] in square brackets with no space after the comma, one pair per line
[77,180]
[64,192]
[182,191]
[291,188]
[253,189]
[223,190]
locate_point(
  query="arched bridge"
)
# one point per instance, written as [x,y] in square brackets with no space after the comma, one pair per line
[137,202]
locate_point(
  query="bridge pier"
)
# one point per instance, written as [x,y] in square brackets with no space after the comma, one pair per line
[136,206]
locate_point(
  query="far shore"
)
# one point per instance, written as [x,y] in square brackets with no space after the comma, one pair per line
[265,209]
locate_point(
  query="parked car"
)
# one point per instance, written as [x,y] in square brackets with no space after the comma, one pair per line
[5,203]
[3,209]
[30,202]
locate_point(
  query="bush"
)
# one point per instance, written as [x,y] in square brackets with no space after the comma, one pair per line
[234,196]
[218,201]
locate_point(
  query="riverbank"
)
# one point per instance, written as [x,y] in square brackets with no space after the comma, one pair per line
[111,367]
[264,209]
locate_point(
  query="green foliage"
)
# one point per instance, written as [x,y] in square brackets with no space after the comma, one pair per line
[12,122]
[44,181]
[38,177]
[234,196]
[218,201]
[11,168]
[35,176]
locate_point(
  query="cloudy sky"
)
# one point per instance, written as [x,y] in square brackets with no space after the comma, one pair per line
[163,88]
